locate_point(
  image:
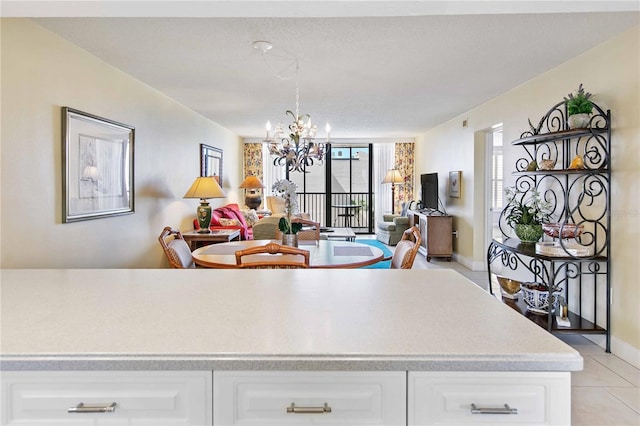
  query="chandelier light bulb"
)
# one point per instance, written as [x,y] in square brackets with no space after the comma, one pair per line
[268,127]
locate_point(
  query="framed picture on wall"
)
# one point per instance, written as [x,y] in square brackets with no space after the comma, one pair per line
[455,184]
[97,167]
[211,162]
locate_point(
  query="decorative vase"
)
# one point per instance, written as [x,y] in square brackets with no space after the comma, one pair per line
[528,233]
[290,240]
[579,121]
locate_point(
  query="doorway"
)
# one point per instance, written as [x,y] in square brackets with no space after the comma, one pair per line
[494,183]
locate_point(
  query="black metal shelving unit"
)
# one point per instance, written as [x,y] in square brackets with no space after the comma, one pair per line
[578,196]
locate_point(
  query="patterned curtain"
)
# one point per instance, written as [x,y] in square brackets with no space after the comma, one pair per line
[405,165]
[253,160]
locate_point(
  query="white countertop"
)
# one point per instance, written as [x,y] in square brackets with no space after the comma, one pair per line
[343,319]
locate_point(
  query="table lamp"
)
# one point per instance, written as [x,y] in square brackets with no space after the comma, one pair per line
[252,199]
[394,178]
[203,188]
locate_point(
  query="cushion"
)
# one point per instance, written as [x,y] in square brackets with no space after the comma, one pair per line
[250,216]
[403,248]
[180,250]
[276,205]
[387,226]
[229,222]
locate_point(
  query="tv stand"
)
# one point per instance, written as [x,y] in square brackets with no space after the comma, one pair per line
[431,212]
[437,232]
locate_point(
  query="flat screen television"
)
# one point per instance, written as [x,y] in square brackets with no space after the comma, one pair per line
[429,182]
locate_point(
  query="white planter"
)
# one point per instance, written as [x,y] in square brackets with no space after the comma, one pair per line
[579,121]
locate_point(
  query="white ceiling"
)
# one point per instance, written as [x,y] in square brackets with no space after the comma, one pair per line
[396,71]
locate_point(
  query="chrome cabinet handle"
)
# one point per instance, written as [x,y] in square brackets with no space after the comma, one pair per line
[505,410]
[81,408]
[309,410]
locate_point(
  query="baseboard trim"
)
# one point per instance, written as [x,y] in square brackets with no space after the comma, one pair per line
[619,348]
[469,264]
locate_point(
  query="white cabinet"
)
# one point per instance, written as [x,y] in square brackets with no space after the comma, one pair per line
[498,398]
[48,398]
[309,398]
[284,398]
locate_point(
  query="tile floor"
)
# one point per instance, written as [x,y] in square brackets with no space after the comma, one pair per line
[605,393]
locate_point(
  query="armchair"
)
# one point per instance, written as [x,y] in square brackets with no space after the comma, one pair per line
[390,230]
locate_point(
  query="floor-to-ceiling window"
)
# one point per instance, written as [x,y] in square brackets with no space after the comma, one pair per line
[349,181]
[312,191]
[337,192]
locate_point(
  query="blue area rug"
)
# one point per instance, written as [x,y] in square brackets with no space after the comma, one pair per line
[387,253]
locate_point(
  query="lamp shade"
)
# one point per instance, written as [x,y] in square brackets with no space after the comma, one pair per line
[251,182]
[205,187]
[393,176]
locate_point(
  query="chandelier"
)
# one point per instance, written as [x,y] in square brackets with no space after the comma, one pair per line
[295,145]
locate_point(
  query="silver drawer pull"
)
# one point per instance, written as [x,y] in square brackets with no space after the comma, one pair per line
[81,408]
[309,410]
[505,410]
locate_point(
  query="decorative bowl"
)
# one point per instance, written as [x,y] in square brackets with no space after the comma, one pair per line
[569,230]
[546,164]
[536,296]
[509,287]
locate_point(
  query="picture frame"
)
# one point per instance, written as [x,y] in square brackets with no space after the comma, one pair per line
[211,162]
[97,167]
[455,184]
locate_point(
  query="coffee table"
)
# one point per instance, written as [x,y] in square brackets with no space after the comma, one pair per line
[346,234]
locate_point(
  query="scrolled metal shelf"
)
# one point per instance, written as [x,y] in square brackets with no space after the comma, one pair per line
[529,250]
[558,136]
[600,170]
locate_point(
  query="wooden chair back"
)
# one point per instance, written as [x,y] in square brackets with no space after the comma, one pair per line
[176,248]
[310,232]
[272,256]
[406,249]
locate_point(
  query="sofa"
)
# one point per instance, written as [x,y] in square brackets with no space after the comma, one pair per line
[229,217]
[390,230]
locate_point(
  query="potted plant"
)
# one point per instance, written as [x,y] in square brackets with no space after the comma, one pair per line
[525,212]
[287,190]
[579,108]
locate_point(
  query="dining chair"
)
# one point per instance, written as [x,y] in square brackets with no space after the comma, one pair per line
[176,248]
[406,249]
[279,257]
[310,230]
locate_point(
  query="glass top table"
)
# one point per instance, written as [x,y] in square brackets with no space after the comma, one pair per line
[322,254]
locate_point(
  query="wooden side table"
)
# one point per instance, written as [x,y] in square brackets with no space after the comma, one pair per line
[196,239]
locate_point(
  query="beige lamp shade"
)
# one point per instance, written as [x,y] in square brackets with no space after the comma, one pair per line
[205,187]
[251,182]
[393,176]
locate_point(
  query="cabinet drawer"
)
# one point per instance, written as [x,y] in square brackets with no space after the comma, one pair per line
[142,398]
[445,398]
[265,398]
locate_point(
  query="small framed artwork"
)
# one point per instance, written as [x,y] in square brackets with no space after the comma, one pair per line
[455,183]
[97,167]
[211,162]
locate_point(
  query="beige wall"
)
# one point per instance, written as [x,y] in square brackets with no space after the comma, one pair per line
[612,72]
[41,73]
